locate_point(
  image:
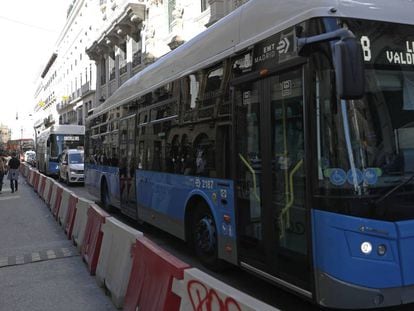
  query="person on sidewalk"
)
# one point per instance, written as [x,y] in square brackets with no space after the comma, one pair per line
[2,172]
[13,175]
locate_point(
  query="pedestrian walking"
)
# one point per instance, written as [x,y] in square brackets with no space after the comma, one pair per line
[2,172]
[13,176]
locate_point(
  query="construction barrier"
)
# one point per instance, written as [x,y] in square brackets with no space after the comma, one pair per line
[152,275]
[115,259]
[138,274]
[92,240]
[41,185]
[57,201]
[200,291]
[64,205]
[80,222]
[47,194]
[26,170]
[36,180]
[70,215]
[31,177]
[53,194]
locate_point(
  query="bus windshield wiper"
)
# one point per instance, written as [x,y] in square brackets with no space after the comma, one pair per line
[395,188]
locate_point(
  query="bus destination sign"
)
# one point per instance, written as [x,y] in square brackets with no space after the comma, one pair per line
[71,138]
[402,58]
[388,55]
[385,44]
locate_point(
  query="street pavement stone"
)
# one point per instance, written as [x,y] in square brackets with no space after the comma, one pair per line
[40,269]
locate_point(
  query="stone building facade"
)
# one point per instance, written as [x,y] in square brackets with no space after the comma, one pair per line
[105,42]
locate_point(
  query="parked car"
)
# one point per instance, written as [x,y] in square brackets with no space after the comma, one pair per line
[71,166]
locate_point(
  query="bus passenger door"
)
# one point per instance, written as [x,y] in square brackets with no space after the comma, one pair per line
[270,183]
[127,166]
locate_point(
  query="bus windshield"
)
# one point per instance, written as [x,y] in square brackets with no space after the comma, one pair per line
[365,147]
[59,142]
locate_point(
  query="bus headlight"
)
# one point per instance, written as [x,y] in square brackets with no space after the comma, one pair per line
[366,248]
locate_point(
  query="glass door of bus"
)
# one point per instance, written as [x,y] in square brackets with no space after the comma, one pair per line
[270,182]
[127,166]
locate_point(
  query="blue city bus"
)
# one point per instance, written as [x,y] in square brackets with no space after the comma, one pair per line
[281,140]
[52,141]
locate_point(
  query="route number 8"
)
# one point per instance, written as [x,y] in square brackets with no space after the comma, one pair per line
[366,48]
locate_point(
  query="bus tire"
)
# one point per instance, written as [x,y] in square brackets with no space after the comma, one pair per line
[204,237]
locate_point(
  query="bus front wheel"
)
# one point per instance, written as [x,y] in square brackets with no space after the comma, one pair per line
[204,237]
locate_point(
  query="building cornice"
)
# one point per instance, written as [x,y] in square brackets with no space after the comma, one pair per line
[125,24]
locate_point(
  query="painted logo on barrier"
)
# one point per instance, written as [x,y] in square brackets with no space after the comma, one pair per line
[207,299]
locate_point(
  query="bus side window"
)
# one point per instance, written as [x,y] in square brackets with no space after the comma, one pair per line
[202,155]
[186,156]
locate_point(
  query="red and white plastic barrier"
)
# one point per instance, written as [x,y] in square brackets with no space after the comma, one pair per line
[36,180]
[41,185]
[152,275]
[139,274]
[80,222]
[115,259]
[200,291]
[71,214]
[92,240]
[47,194]
[53,194]
[64,205]
[57,202]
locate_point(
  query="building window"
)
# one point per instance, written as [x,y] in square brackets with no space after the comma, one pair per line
[111,59]
[103,72]
[204,5]
[136,51]
[171,7]
[122,59]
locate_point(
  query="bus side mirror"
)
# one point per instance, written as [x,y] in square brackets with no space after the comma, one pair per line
[349,69]
[347,57]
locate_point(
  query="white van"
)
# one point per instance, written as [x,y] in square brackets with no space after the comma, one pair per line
[71,166]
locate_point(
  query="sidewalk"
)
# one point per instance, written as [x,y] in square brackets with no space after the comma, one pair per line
[40,269]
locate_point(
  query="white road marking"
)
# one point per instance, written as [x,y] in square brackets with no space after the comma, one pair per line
[35,256]
[66,252]
[9,198]
[4,261]
[51,254]
[19,260]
